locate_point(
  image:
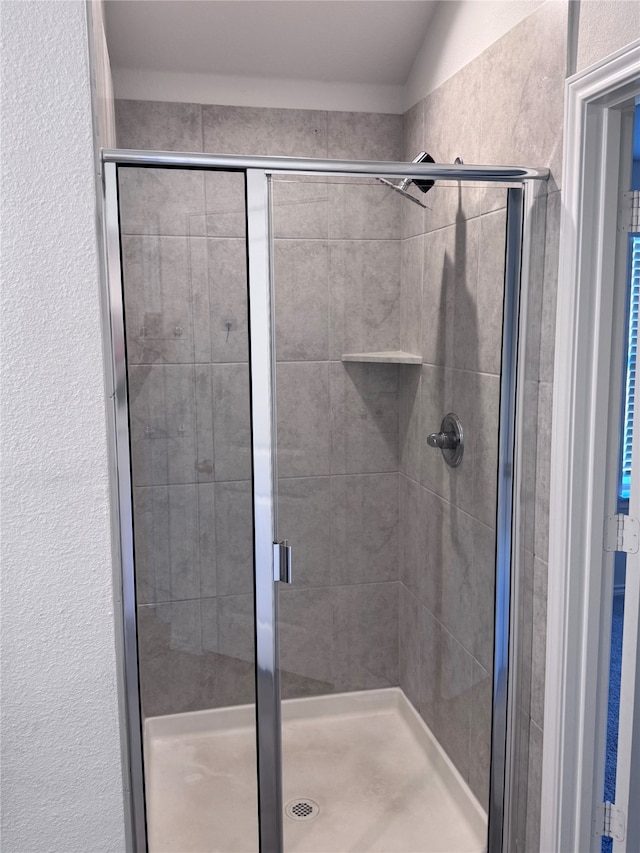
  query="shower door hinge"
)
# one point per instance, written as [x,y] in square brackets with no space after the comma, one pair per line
[609,821]
[621,533]
[282,561]
[629,212]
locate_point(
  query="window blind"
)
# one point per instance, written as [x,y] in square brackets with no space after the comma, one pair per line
[632,351]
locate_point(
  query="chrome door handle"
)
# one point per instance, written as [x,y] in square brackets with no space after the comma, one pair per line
[282,561]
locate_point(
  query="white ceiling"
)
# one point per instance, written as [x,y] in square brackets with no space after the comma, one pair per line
[332,41]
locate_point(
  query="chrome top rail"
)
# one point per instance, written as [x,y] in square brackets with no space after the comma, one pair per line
[333,168]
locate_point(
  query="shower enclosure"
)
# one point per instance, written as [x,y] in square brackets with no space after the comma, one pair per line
[321,636]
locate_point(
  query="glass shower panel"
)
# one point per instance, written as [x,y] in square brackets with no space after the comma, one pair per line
[388,315]
[185,301]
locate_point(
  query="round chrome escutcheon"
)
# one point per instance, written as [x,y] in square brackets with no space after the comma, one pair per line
[450,439]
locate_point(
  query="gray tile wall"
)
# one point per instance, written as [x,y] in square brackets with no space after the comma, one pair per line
[337,273]
[337,290]
[394,566]
[479,115]
[453,272]
[185,277]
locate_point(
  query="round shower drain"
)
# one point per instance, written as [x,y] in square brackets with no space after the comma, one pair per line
[304,809]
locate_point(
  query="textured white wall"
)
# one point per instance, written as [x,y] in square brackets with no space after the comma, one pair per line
[605,26]
[61,769]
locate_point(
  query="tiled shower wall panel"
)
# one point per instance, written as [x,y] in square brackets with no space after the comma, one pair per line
[448,514]
[338,255]
[505,107]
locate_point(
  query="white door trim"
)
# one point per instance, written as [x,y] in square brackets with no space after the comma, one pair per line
[578,452]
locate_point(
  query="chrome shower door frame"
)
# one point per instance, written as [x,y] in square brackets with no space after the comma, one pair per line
[258,171]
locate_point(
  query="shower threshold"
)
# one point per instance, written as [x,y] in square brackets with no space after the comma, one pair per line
[362,772]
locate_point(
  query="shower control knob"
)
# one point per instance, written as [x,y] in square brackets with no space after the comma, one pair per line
[450,439]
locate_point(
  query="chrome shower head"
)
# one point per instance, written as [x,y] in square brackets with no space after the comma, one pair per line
[399,189]
[423,185]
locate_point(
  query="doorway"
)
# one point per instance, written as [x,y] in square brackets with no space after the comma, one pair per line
[585,482]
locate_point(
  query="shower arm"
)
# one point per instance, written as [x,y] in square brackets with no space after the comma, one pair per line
[422,156]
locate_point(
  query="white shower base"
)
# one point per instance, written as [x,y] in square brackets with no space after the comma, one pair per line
[381,780]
